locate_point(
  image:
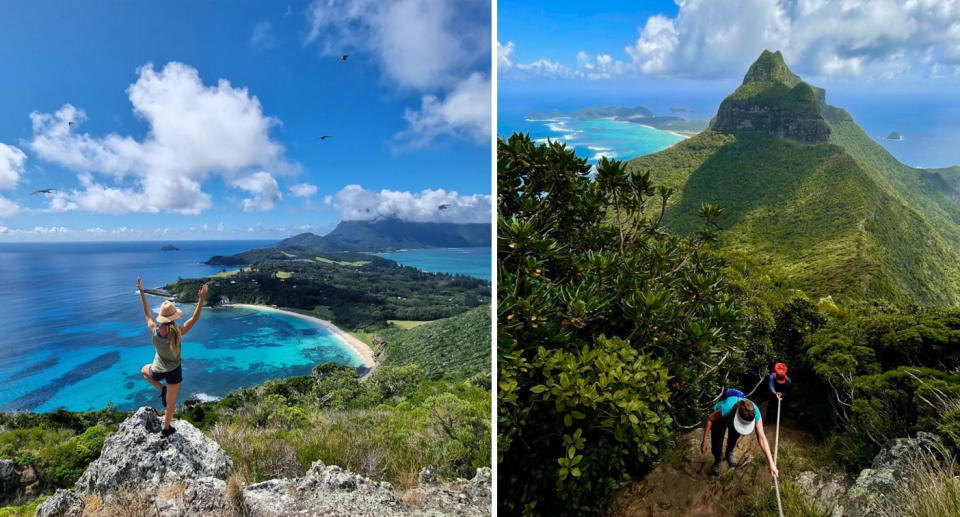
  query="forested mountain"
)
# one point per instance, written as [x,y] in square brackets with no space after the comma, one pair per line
[802,187]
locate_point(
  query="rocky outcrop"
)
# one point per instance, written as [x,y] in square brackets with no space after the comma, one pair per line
[138,456]
[186,474]
[775,101]
[63,503]
[8,474]
[869,493]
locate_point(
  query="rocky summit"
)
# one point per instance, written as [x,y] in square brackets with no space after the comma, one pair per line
[189,474]
[775,101]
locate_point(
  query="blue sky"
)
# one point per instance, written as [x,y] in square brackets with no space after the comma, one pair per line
[200,119]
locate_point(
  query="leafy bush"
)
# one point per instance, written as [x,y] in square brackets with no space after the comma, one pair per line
[610,330]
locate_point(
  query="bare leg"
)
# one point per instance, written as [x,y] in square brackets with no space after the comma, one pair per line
[172,391]
[145,371]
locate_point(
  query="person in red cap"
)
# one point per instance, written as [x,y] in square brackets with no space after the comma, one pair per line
[779,385]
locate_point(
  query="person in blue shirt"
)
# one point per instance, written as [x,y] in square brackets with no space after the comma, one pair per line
[734,415]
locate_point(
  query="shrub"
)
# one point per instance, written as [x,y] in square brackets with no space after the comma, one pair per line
[610,330]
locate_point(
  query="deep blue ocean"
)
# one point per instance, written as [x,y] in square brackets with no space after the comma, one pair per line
[466,261]
[73,333]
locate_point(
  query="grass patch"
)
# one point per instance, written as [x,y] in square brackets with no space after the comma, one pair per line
[406,324]
[27,510]
[348,263]
[795,503]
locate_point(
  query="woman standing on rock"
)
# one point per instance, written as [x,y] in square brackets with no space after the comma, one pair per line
[167,338]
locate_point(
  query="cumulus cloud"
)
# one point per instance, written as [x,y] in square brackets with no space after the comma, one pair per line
[509,68]
[709,39]
[11,165]
[464,112]
[435,47]
[8,208]
[265,190]
[355,203]
[195,130]
[303,190]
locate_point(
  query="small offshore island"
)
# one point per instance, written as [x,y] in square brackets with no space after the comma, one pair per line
[894,136]
[169,247]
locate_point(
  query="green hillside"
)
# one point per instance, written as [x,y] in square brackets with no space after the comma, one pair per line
[805,190]
[453,349]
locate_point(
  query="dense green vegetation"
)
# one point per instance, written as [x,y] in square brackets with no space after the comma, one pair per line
[340,287]
[454,348]
[610,331]
[56,446]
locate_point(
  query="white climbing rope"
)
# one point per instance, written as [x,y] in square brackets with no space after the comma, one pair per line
[776,447]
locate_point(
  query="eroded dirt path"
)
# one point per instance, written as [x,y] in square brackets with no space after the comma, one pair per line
[681,484]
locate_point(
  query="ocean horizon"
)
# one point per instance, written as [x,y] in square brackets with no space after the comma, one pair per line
[75,336]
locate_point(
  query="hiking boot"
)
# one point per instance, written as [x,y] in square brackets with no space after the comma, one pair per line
[163,396]
[715,470]
[168,431]
[731,459]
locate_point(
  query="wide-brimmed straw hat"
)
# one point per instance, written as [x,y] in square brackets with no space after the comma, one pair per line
[168,312]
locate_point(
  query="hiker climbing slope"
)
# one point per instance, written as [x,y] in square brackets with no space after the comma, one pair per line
[733,416]
[778,386]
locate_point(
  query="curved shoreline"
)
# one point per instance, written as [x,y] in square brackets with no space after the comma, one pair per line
[359,347]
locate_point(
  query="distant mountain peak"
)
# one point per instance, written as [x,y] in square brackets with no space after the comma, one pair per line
[770,67]
[775,101]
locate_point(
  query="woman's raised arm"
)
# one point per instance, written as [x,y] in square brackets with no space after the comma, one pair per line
[201,296]
[152,325]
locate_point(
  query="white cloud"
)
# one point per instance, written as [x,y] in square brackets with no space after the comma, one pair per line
[265,190]
[8,208]
[419,44]
[194,131]
[464,112]
[354,203]
[601,66]
[434,47]
[884,38]
[509,68]
[262,35]
[303,190]
[505,55]
[96,230]
[11,165]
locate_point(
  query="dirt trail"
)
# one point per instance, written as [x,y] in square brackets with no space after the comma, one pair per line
[681,484]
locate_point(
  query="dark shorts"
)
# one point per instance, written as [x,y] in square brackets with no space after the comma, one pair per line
[174,376]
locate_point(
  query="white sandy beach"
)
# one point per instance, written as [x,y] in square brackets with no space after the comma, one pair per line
[362,349]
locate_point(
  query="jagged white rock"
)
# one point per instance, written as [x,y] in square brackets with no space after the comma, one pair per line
[184,475]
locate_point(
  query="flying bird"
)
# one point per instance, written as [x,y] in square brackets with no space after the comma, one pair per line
[443,207]
[344,57]
[70,123]
[324,137]
[43,191]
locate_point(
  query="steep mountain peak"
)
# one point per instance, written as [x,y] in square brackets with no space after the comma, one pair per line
[775,101]
[770,67]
